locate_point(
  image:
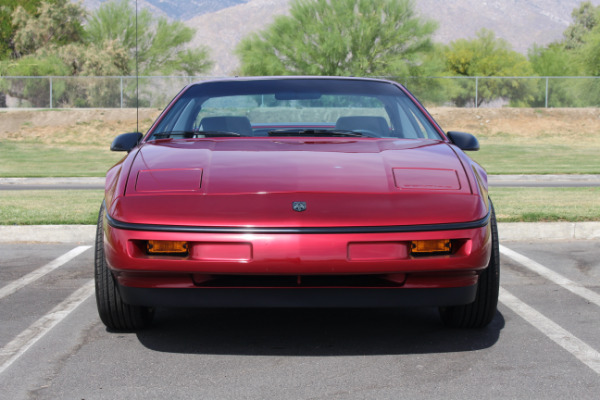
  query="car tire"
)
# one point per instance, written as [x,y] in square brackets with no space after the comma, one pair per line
[481,312]
[114,313]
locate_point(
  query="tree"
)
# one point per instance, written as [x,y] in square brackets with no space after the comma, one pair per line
[587,52]
[578,54]
[49,39]
[488,56]
[7,28]
[585,18]
[53,25]
[160,44]
[421,81]
[552,61]
[340,37]
[108,44]
[588,60]
[39,36]
[38,29]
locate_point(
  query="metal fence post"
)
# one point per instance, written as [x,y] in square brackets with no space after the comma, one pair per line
[50,92]
[476,92]
[546,92]
[121,92]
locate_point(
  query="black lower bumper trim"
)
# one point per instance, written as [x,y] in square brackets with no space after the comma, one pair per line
[291,297]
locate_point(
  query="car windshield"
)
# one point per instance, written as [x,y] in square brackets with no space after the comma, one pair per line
[294,107]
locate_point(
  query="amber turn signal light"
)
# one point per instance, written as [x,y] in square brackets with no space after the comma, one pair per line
[433,247]
[167,247]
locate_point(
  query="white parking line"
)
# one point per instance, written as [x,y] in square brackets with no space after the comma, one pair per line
[581,350]
[547,273]
[19,345]
[38,273]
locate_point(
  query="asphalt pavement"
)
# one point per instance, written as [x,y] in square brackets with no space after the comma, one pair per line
[543,342]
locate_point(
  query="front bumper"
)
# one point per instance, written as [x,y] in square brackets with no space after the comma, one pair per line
[226,267]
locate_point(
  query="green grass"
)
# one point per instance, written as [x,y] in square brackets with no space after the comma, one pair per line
[546,204]
[48,207]
[506,154]
[29,159]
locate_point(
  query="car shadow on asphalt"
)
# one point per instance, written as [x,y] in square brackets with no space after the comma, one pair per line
[312,332]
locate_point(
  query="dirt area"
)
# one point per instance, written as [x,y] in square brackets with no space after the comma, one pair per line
[524,122]
[79,125]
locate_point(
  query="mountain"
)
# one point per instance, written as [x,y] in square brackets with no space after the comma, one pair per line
[521,22]
[220,25]
[222,30]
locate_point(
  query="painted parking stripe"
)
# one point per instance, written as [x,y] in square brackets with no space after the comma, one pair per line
[19,345]
[552,276]
[38,273]
[581,350]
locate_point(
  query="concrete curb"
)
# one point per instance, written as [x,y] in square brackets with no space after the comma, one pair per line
[47,233]
[507,231]
[52,181]
[548,230]
[555,178]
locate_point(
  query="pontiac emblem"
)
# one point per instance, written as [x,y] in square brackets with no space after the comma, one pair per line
[299,206]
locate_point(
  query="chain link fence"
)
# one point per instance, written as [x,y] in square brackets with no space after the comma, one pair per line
[157,91]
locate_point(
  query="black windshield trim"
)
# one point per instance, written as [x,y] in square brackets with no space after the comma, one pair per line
[194,134]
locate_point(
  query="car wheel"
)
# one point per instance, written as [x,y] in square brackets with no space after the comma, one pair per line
[481,312]
[114,313]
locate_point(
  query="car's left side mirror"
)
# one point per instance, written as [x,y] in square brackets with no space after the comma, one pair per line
[126,141]
[464,141]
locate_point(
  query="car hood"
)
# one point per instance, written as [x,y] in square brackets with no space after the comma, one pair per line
[255,182]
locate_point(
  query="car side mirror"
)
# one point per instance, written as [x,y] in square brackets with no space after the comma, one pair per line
[464,141]
[126,141]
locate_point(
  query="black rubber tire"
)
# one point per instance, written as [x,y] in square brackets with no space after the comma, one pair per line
[114,313]
[481,312]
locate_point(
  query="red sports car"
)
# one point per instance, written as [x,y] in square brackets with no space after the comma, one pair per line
[296,192]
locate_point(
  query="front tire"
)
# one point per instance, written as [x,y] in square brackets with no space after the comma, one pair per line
[481,312]
[114,313]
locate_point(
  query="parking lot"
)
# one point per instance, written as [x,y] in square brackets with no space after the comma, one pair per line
[544,342]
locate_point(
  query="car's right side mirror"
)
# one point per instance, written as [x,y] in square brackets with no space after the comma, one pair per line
[464,141]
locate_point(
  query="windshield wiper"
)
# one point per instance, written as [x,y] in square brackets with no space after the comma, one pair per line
[316,132]
[194,134]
